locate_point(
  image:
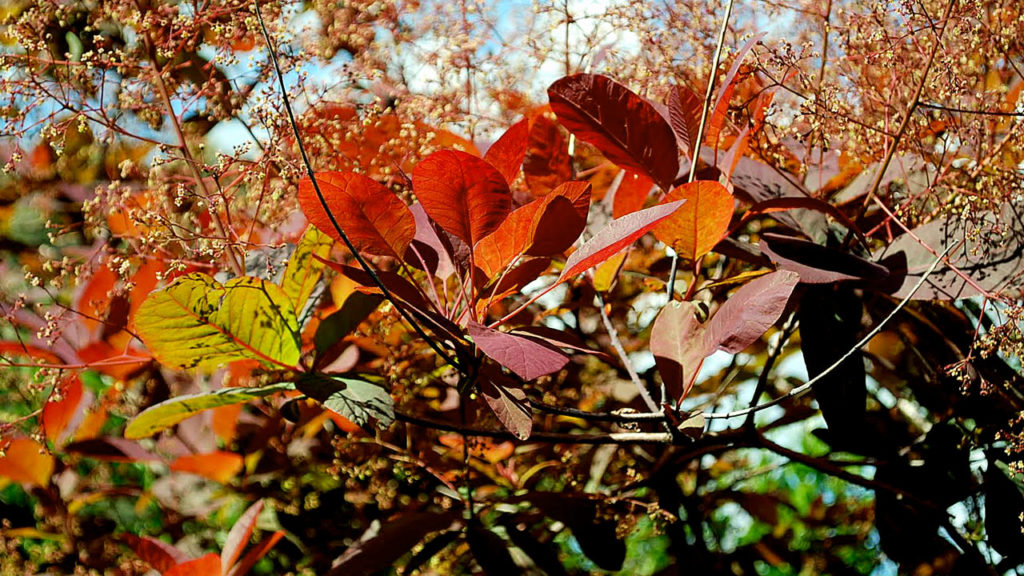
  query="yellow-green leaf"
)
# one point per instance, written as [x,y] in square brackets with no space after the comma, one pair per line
[199,322]
[303,271]
[170,412]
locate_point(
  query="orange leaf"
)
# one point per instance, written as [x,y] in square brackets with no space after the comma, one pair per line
[57,414]
[464,194]
[373,217]
[631,194]
[225,421]
[19,349]
[208,565]
[27,462]
[219,466]
[507,153]
[693,230]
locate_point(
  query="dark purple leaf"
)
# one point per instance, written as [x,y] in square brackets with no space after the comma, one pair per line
[818,264]
[490,552]
[596,533]
[526,358]
[507,400]
[111,448]
[990,251]
[625,127]
[747,314]
[381,546]
[755,182]
[556,338]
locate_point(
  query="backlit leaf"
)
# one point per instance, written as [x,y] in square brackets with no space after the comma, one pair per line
[464,194]
[719,112]
[160,555]
[208,565]
[547,163]
[170,412]
[615,236]
[304,271]
[508,402]
[679,345]
[507,153]
[25,461]
[239,536]
[694,229]
[633,191]
[198,322]
[58,413]
[219,466]
[751,311]
[375,220]
[526,358]
[626,128]
[684,110]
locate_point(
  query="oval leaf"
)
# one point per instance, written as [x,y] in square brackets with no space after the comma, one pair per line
[614,237]
[748,313]
[303,270]
[170,412]
[693,230]
[507,153]
[547,163]
[26,461]
[462,193]
[679,345]
[197,321]
[626,128]
[507,400]
[219,466]
[375,220]
[526,358]
[354,398]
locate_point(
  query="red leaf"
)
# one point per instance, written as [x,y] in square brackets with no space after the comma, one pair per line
[625,127]
[614,237]
[526,358]
[160,555]
[684,110]
[751,311]
[239,536]
[556,227]
[679,346]
[508,402]
[260,550]
[427,237]
[26,461]
[631,194]
[218,466]
[462,193]
[208,565]
[716,120]
[693,230]
[19,349]
[547,163]
[57,414]
[508,152]
[374,219]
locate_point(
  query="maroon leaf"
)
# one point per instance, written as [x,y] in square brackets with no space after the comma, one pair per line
[464,194]
[507,400]
[756,182]
[684,110]
[380,547]
[556,338]
[526,358]
[507,153]
[596,532]
[774,205]
[160,555]
[556,227]
[374,219]
[238,536]
[614,237]
[111,448]
[490,552]
[993,260]
[679,344]
[625,127]
[748,313]
[818,264]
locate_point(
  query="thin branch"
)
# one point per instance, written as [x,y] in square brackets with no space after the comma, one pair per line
[334,222]
[549,437]
[617,344]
